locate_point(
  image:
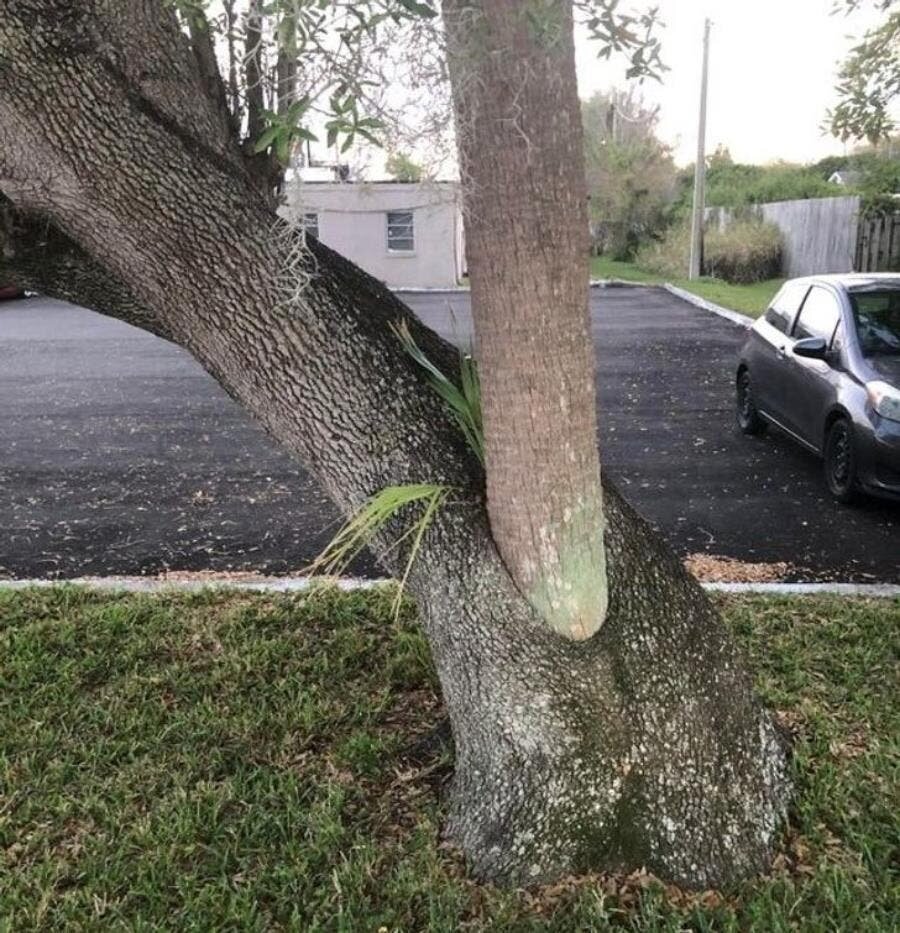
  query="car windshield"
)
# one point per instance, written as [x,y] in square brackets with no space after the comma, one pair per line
[877,318]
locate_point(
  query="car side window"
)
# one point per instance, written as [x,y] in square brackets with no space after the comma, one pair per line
[819,316]
[783,310]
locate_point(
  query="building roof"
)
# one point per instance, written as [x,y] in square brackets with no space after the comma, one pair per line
[845,176]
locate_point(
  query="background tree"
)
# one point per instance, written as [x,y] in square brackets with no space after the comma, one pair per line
[737,184]
[869,79]
[136,191]
[872,171]
[401,167]
[630,172]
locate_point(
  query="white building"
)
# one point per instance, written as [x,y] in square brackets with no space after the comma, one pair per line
[846,177]
[405,234]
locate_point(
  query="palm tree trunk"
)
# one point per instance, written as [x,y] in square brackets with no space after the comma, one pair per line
[521,157]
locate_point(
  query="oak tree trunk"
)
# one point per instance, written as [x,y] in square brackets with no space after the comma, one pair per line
[643,745]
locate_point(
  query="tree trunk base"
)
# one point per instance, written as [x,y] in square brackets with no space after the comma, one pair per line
[644,746]
[535,817]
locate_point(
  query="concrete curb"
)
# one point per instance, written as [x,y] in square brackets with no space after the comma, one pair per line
[734,316]
[452,289]
[618,283]
[300,584]
[155,585]
[869,590]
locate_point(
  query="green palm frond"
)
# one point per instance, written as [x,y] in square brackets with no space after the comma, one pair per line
[361,528]
[464,401]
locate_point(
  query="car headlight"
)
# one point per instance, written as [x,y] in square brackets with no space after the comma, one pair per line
[885,399]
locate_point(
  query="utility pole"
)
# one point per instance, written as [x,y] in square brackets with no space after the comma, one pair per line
[696,263]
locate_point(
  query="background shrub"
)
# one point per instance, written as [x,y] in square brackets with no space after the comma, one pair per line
[743,252]
[734,184]
[668,256]
[630,172]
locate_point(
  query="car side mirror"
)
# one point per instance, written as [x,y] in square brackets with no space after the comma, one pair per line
[814,348]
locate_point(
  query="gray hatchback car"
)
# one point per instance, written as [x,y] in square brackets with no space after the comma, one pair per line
[823,365]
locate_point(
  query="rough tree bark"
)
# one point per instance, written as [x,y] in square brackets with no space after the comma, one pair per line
[641,745]
[522,161]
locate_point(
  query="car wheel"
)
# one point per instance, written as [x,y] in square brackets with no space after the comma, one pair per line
[840,461]
[749,419]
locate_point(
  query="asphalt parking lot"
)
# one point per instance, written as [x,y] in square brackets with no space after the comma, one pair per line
[119,455]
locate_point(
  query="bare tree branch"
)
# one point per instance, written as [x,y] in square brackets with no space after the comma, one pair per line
[203,44]
[253,45]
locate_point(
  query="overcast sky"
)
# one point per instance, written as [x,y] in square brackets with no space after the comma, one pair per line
[772,71]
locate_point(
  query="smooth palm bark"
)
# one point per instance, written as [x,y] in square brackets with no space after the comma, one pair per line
[512,66]
[643,745]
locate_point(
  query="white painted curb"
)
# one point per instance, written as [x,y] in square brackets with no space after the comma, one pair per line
[734,316]
[300,584]
[156,585]
[619,283]
[424,290]
[880,590]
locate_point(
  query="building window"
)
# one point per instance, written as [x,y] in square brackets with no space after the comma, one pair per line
[400,232]
[311,224]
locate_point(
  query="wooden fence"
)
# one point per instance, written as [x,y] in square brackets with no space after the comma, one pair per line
[878,244]
[819,234]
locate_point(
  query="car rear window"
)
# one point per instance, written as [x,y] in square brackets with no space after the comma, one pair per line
[876,315]
[783,309]
[819,316]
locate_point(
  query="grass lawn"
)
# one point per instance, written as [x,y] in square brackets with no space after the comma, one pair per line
[240,762]
[748,299]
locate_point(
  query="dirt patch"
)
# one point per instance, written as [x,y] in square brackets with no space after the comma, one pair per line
[210,576]
[713,568]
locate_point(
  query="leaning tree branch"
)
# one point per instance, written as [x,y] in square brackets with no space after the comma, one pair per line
[37,256]
[179,75]
[133,224]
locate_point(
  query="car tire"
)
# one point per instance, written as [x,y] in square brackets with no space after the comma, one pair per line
[840,461]
[749,420]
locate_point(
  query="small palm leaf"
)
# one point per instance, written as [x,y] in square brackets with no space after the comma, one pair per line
[464,401]
[361,528]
